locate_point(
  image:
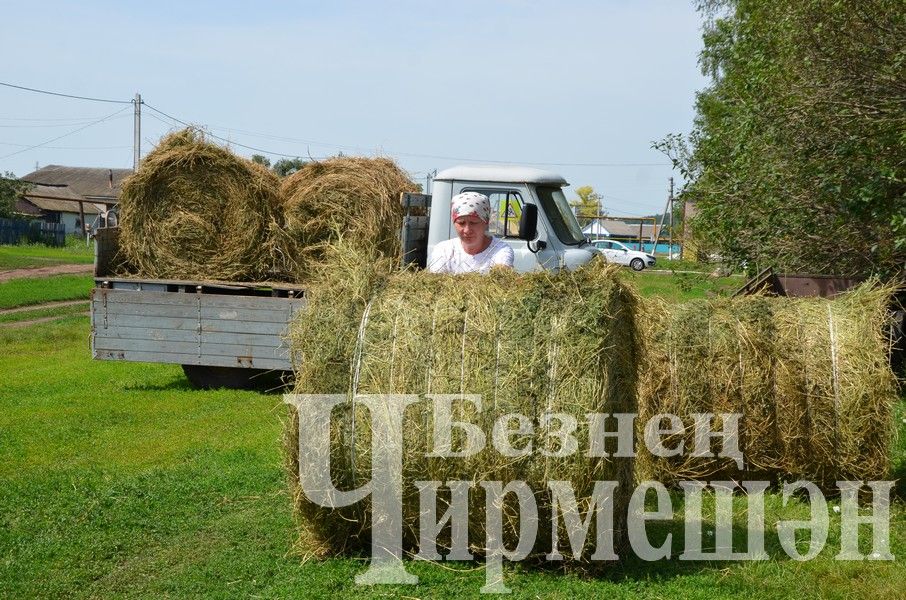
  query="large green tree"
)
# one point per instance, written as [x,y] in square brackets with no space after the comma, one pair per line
[797,158]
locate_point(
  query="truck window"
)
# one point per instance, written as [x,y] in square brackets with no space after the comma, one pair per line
[560,215]
[506,209]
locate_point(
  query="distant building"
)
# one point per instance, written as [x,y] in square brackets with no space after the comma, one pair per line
[57,204]
[74,196]
[619,229]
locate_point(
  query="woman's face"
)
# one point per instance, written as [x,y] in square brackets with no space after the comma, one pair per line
[470,229]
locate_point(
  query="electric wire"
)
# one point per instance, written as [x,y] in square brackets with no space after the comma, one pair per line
[22,87]
[101,120]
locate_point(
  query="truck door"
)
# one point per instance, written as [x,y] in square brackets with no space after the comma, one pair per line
[506,209]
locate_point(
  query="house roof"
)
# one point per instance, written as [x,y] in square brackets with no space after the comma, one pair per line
[618,228]
[90,182]
[52,198]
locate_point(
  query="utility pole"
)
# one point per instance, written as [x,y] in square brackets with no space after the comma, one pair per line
[137,132]
[670,203]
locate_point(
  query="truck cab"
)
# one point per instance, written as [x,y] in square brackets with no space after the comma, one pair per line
[558,241]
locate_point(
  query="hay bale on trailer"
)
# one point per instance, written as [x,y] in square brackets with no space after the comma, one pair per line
[527,344]
[810,377]
[194,210]
[356,199]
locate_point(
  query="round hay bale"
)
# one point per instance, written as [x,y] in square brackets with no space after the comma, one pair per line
[809,376]
[526,344]
[356,199]
[194,210]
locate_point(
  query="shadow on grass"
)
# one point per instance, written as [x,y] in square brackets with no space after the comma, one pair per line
[264,384]
[629,568]
[176,384]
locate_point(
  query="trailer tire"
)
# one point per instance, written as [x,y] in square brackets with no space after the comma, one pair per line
[203,377]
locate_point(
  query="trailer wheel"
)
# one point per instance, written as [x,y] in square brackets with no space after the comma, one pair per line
[208,378]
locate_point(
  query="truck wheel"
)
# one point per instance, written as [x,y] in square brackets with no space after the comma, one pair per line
[637,264]
[208,378]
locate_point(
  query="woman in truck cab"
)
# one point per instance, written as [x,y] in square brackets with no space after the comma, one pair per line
[472,250]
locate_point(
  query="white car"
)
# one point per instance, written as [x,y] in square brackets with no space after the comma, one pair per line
[619,253]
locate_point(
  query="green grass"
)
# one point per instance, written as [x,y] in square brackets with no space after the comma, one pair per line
[35,290]
[679,287]
[38,255]
[40,313]
[120,480]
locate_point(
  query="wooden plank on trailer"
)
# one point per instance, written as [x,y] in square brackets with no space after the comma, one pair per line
[213,300]
[278,364]
[190,348]
[209,283]
[183,335]
[182,311]
[191,324]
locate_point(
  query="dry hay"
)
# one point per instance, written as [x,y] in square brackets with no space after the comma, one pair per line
[194,210]
[809,376]
[357,199]
[528,344]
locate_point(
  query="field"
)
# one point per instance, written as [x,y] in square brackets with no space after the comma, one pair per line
[38,255]
[120,480]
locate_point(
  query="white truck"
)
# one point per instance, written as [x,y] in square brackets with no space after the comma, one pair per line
[231,334]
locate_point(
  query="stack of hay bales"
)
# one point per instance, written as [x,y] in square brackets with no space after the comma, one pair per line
[809,376]
[194,210]
[356,199]
[527,344]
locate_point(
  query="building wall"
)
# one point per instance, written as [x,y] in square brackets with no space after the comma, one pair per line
[71,219]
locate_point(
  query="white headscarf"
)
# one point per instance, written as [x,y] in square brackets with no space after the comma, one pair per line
[467,203]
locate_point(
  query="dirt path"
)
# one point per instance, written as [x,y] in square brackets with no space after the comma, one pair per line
[17,324]
[45,271]
[19,309]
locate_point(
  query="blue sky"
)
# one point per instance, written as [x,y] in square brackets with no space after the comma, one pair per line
[558,84]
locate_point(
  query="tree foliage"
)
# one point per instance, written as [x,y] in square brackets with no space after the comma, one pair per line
[283,167]
[261,160]
[287,166]
[587,205]
[797,158]
[10,190]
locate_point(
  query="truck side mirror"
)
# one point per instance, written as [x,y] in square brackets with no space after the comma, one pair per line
[528,222]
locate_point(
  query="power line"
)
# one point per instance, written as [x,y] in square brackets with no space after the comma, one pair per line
[341,146]
[222,139]
[101,120]
[28,89]
[68,123]
[67,147]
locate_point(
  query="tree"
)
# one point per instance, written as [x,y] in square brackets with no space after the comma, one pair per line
[287,166]
[587,205]
[261,160]
[797,157]
[10,190]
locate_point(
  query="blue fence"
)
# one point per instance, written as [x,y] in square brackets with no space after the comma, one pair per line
[16,231]
[661,249]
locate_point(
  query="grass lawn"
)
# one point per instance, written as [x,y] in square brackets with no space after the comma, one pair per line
[120,480]
[42,313]
[679,287]
[38,255]
[35,290]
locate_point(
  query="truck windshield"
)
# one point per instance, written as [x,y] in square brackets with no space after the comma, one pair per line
[560,214]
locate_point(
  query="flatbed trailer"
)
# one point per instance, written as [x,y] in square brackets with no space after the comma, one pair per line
[222,333]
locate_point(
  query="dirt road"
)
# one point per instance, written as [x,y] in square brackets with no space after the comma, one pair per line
[46,271]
